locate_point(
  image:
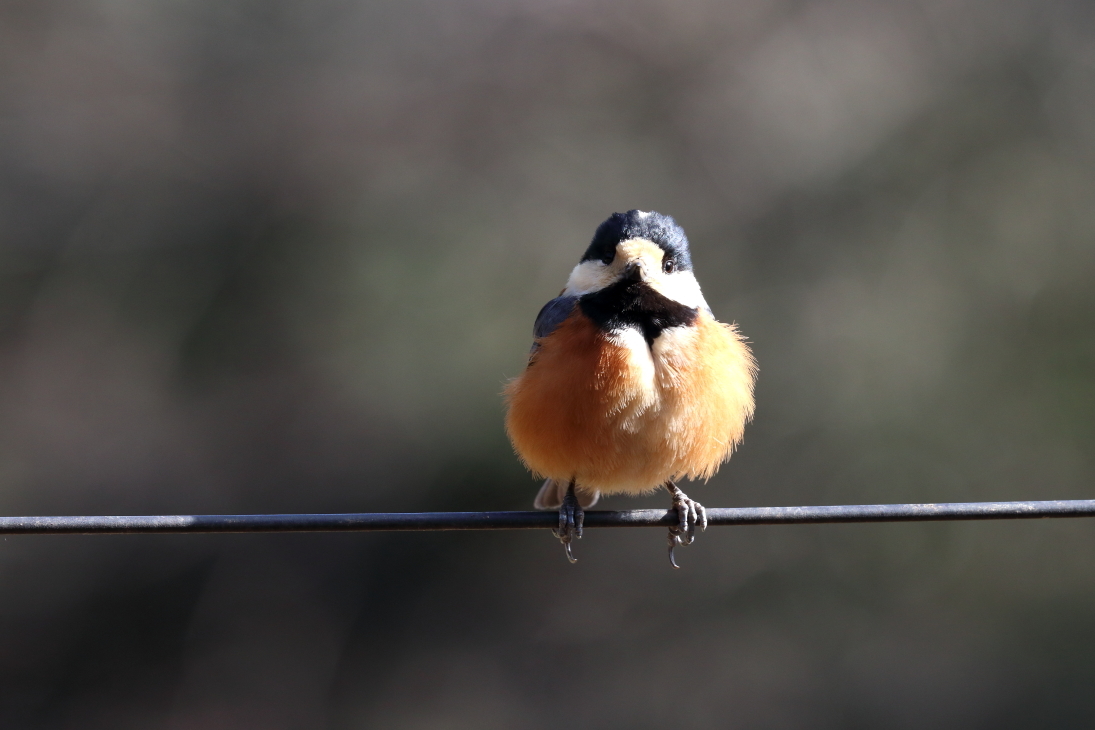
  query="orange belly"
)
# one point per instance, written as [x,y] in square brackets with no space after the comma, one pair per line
[618,416]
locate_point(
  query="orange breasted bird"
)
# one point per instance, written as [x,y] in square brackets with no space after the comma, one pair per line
[632,383]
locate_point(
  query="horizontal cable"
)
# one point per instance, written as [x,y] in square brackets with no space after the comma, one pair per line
[378,521]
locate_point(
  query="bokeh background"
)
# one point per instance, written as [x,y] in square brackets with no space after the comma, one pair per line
[275,255]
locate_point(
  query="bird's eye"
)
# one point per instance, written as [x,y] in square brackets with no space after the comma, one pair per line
[669,265]
[608,257]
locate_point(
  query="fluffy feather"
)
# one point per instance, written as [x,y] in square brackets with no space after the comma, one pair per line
[552,492]
[624,418]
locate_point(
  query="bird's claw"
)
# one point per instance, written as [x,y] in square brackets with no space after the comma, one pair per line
[690,513]
[571,518]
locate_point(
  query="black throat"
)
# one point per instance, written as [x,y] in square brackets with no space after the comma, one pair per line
[629,303]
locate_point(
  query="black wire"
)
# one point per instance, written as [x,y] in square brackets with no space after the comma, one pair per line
[377,521]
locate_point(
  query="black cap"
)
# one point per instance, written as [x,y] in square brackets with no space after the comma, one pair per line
[655,227]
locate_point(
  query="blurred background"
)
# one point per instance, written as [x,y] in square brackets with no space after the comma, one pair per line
[275,255]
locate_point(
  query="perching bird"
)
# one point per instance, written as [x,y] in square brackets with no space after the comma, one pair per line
[631,383]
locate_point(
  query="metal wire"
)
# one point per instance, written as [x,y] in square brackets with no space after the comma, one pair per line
[387,521]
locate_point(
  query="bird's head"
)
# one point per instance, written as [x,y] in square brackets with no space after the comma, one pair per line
[646,248]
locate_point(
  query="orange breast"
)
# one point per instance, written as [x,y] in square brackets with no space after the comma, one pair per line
[619,416]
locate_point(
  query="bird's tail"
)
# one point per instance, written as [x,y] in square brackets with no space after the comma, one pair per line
[551,496]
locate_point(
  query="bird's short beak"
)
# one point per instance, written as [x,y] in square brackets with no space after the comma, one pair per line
[633,272]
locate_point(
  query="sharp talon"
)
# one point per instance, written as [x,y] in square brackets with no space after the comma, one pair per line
[690,513]
[571,519]
[673,540]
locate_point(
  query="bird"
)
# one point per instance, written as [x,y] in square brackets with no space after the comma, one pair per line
[631,383]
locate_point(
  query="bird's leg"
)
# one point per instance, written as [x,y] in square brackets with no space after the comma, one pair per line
[690,513]
[571,518]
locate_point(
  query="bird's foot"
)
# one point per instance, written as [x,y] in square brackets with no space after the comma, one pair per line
[571,518]
[690,513]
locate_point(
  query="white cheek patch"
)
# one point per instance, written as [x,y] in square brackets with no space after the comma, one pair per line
[680,286]
[589,276]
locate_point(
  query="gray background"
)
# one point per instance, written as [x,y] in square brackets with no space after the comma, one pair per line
[275,255]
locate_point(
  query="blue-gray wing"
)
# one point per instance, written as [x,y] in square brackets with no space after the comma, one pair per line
[551,316]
